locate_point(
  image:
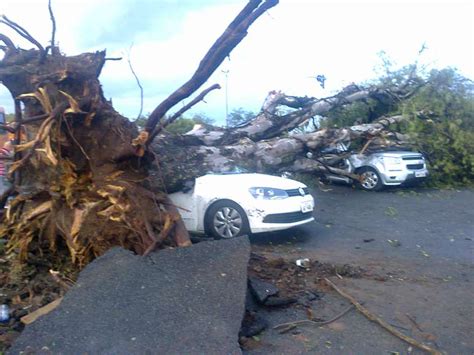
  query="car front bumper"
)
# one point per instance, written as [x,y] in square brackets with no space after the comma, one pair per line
[273,215]
[400,177]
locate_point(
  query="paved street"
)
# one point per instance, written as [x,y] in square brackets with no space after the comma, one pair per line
[420,241]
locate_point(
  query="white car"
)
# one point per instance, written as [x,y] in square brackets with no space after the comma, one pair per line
[230,205]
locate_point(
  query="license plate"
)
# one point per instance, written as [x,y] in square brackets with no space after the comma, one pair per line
[306,207]
[420,173]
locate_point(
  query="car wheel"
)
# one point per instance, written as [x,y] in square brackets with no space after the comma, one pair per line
[370,179]
[226,219]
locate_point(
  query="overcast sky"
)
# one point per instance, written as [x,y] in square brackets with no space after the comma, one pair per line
[295,41]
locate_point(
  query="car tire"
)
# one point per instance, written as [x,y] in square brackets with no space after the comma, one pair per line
[226,219]
[370,179]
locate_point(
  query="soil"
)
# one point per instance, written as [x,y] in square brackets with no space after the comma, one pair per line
[293,280]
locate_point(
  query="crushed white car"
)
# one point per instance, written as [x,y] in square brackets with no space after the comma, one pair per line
[230,205]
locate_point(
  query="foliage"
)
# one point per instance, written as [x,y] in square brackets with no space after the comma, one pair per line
[9,117]
[449,149]
[201,118]
[181,126]
[447,137]
[348,115]
[239,116]
[367,111]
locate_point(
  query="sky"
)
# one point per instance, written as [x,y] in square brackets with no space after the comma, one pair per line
[284,49]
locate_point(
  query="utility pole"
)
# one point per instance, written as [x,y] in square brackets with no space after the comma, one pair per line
[226,73]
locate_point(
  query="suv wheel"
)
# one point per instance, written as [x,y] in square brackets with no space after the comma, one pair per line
[370,179]
[226,219]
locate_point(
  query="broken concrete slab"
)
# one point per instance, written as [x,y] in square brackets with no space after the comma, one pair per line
[252,324]
[262,289]
[185,301]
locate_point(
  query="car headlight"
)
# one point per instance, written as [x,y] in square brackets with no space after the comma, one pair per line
[392,160]
[268,193]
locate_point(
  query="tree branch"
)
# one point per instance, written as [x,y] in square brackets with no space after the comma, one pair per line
[8,42]
[137,80]
[22,32]
[7,128]
[201,151]
[372,317]
[185,108]
[53,30]
[231,37]
[268,124]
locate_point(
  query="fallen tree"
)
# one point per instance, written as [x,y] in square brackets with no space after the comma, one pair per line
[85,178]
[264,145]
[80,178]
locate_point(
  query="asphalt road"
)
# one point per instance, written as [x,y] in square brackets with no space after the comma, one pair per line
[420,241]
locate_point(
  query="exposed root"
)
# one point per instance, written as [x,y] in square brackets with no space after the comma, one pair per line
[77,206]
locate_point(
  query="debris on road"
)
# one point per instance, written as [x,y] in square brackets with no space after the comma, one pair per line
[285,327]
[31,317]
[424,253]
[261,290]
[252,325]
[4,313]
[303,263]
[394,242]
[381,322]
[391,212]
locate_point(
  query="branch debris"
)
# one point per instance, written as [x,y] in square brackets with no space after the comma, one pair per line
[381,322]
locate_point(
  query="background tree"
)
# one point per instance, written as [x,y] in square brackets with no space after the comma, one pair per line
[240,116]
[181,125]
[184,124]
[447,138]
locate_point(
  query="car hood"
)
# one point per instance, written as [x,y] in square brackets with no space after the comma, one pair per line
[398,154]
[252,180]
